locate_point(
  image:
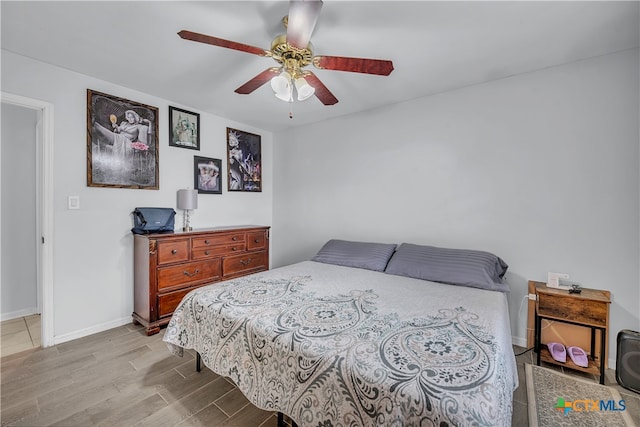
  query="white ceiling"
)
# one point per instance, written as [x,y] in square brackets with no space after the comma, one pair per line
[435,47]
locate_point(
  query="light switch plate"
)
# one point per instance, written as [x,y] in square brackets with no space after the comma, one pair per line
[73,202]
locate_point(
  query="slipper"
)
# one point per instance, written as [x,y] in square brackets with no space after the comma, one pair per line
[558,352]
[579,356]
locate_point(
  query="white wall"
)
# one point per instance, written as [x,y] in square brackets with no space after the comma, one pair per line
[541,169]
[92,250]
[19,279]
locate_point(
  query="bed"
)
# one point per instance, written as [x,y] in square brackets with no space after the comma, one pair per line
[330,342]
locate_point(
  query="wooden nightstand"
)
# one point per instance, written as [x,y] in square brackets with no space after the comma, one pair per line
[589,309]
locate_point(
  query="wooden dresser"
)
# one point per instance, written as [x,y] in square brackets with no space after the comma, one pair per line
[168,266]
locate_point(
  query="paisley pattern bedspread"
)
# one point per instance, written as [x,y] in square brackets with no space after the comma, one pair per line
[337,346]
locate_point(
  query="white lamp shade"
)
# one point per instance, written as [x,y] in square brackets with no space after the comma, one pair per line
[188,199]
[281,85]
[304,89]
[285,97]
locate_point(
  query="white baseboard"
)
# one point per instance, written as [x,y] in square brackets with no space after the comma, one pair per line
[519,341]
[59,339]
[19,313]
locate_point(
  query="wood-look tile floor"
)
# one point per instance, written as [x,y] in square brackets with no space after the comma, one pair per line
[20,334]
[121,377]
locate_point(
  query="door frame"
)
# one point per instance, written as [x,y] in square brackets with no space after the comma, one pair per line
[44,204]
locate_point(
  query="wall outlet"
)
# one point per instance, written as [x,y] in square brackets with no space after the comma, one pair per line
[553,280]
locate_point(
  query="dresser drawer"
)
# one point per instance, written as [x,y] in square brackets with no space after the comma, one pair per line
[222,239]
[245,263]
[256,240]
[173,251]
[167,303]
[215,251]
[188,274]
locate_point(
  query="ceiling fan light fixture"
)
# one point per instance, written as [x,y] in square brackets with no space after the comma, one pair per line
[304,89]
[281,85]
[286,97]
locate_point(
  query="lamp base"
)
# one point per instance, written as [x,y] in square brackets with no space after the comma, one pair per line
[187,228]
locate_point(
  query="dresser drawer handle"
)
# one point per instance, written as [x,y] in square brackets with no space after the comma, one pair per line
[257,241]
[206,242]
[234,238]
[173,251]
[186,273]
[234,249]
[245,262]
[206,252]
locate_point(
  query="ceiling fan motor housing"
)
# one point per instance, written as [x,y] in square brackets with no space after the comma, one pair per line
[291,57]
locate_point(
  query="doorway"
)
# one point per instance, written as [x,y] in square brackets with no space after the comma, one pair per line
[42,166]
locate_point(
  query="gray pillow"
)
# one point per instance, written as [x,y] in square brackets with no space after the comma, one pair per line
[465,267]
[371,256]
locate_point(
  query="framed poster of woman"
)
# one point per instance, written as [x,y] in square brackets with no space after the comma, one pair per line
[244,161]
[122,143]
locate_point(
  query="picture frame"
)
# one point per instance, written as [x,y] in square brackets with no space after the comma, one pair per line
[184,128]
[122,143]
[207,175]
[244,161]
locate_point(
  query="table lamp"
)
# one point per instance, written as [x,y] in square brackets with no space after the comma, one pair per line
[187,200]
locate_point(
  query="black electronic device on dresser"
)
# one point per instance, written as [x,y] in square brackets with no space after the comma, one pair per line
[628,360]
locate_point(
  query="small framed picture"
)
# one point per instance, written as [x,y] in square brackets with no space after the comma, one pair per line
[207,175]
[184,128]
[244,161]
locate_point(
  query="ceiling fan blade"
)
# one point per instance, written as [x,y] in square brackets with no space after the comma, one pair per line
[258,81]
[380,67]
[302,19]
[322,93]
[215,41]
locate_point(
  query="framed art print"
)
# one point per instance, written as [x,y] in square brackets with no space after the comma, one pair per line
[244,161]
[122,143]
[184,128]
[207,177]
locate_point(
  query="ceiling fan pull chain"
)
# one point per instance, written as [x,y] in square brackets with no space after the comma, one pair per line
[291,108]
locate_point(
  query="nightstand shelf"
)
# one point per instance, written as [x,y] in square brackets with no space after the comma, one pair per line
[593,368]
[589,309]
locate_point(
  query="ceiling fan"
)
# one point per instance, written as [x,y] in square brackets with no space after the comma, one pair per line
[293,52]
